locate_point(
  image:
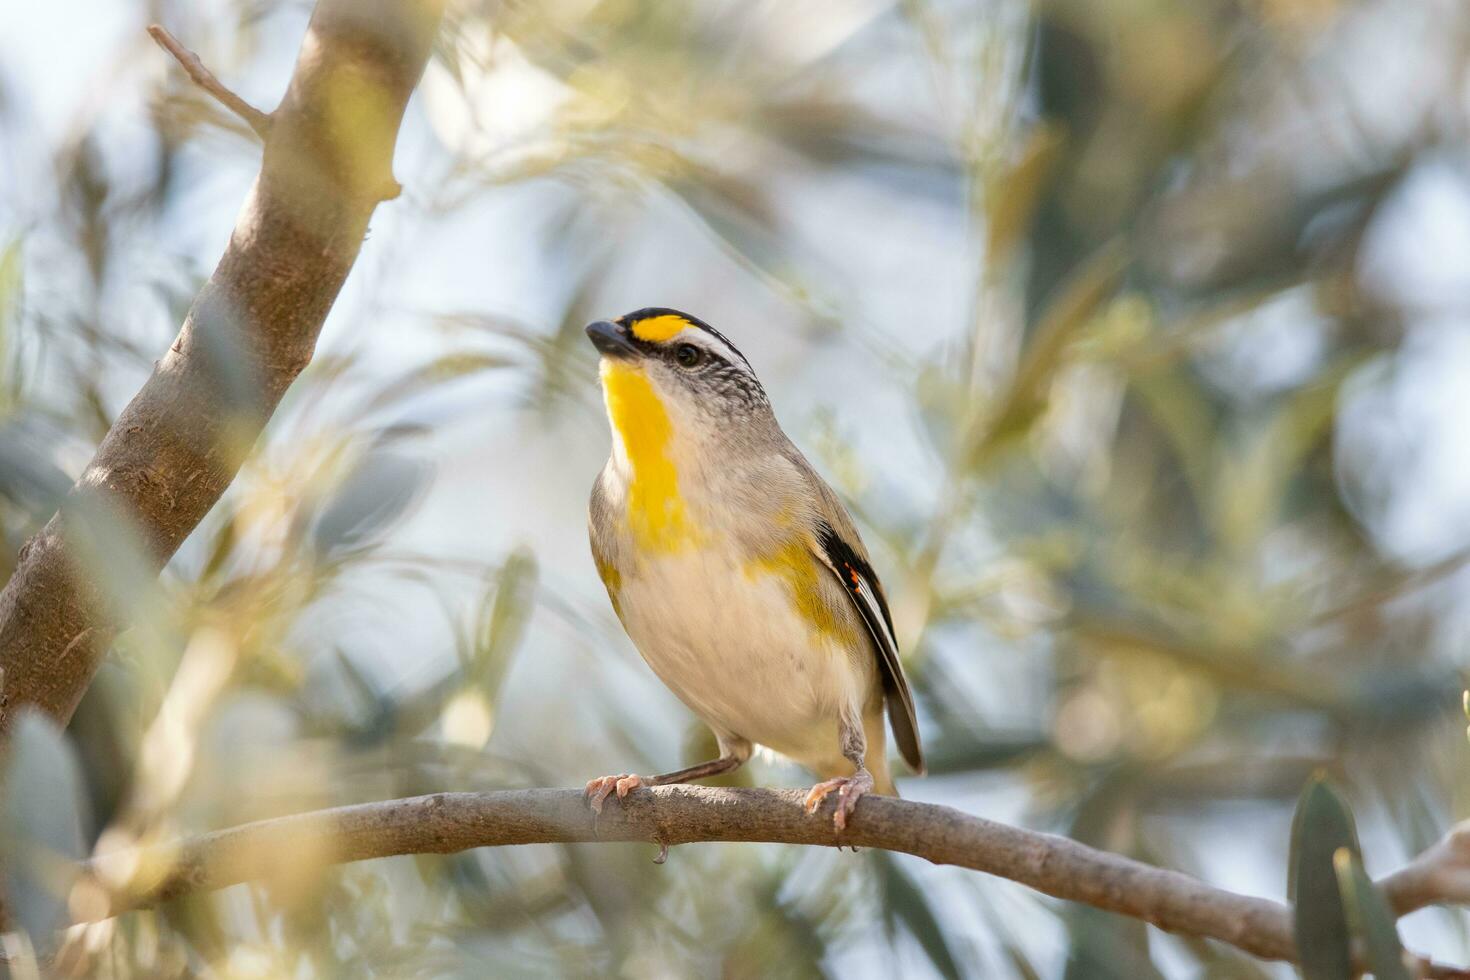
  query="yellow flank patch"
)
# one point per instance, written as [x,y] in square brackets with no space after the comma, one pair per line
[656,512]
[613,579]
[798,568]
[657,329]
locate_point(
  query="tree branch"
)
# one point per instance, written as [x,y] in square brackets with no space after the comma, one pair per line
[671,815]
[327,162]
[259,121]
[1439,876]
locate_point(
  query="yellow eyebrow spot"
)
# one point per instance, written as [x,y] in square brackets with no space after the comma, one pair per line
[656,512]
[657,329]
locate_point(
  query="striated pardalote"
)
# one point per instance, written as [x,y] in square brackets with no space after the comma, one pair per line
[736,570]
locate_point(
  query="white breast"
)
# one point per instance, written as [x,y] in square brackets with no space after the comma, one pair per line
[734,649]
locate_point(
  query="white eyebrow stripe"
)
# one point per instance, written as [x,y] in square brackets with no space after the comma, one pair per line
[718,345]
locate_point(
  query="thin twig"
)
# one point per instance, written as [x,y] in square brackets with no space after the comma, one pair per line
[1439,876]
[258,121]
[673,815]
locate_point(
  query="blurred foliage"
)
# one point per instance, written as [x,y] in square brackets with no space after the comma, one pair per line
[1154,312]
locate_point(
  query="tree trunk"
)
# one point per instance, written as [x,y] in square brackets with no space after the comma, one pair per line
[327,163]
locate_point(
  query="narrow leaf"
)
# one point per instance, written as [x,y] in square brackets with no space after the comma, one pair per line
[382,488]
[1322,825]
[905,903]
[503,620]
[441,370]
[1370,917]
[42,824]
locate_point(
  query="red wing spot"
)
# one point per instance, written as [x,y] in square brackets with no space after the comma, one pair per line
[852,574]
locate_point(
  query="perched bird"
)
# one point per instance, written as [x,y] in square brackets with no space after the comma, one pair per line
[735,569]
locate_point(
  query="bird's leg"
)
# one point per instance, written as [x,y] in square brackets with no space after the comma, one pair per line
[600,788]
[849,788]
[733,757]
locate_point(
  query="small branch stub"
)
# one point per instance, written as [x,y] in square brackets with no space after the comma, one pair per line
[259,122]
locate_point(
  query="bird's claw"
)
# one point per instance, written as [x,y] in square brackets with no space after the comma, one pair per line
[849,790]
[599,789]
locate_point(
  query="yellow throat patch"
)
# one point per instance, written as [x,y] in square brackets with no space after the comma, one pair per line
[656,512]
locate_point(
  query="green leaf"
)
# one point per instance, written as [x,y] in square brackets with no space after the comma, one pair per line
[1322,825]
[442,370]
[904,903]
[1015,194]
[361,689]
[42,824]
[11,291]
[1370,917]
[380,490]
[196,920]
[222,543]
[503,619]
[28,478]
[1077,302]
[1104,946]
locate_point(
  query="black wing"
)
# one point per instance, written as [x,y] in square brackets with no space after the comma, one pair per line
[861,584]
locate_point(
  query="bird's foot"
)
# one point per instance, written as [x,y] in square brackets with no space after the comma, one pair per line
[602,787]
[849,790]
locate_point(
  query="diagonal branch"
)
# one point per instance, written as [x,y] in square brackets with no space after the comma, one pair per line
[259,121]
[448,822]
[168,457]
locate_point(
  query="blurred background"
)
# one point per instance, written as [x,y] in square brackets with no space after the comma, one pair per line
[1136,334]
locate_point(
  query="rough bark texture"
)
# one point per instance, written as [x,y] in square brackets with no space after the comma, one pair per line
[172,452]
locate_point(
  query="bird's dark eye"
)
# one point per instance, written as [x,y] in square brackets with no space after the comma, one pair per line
[688,355]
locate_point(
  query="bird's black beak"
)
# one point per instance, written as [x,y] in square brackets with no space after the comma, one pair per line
[611,339]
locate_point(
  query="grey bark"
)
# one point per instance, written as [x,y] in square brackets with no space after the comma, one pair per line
[666,816]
